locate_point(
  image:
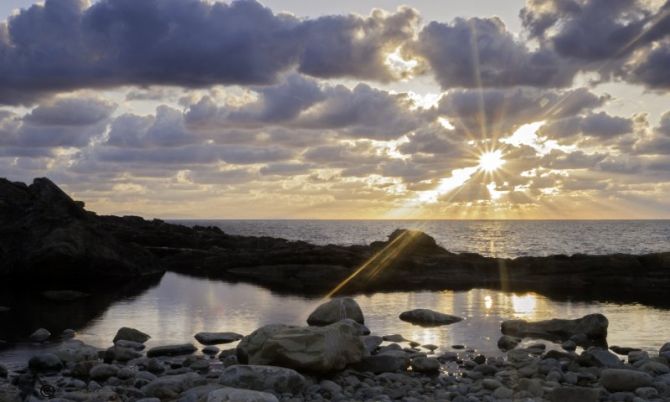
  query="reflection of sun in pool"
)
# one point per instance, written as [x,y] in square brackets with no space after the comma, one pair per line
[488,302]
[524,304]
[491,161]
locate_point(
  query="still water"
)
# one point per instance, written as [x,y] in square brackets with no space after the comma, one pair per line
[180,306]
[502,238]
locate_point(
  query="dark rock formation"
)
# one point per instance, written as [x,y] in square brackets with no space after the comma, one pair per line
[590,329]
[45,235]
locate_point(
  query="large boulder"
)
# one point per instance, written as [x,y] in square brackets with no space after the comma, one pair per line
[429,318]
[624,380]
[263,378]
[592,328]
[317,349]
[336,310]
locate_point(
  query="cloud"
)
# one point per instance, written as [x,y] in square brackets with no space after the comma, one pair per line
[64,45]
[481,52]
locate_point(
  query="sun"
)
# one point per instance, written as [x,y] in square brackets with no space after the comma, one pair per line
[491,161]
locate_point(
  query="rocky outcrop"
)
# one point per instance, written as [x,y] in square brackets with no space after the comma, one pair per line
[313,349]
[590,329]
[45,236]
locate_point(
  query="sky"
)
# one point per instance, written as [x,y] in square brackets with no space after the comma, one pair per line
[477,109]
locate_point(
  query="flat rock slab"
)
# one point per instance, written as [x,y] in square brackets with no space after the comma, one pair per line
[172,350]
[217,338]
[428,318]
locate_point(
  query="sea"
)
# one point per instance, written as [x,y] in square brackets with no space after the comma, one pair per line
[176,307]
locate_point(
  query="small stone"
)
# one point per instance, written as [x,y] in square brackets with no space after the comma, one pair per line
[129,344]
[210,350]
[430,347]
[646,392]
[507,342]
[479,359]
[331,387]
[425,365]
[336,310]
[458,347]
[569,346]
[623,350]
[131,334]
[101,372]
[41,335]
[491,384]
[68,334]
[394,338]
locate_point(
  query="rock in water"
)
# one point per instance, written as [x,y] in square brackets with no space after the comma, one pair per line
[172,350]
[592,326]
[263,378]
[228,394]
[507,342]
[336,310]
[41,335]
[131,334]
[425,365]
[317,349]
[217,338]
[623,380]
[426,317]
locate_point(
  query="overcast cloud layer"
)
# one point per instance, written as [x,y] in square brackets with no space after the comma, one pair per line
[198,108]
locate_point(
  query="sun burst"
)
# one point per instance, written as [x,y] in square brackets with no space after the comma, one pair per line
[491,161]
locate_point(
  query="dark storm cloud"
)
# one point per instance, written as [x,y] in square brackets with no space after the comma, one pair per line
[164,129]
[63,45]
[71,112]
[481,52]
[654,69]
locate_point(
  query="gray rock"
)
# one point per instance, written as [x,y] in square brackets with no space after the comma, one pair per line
[592,326]
[172,350]
[664,348]
[68,333]
[430,347]
[41,335]
[361,329]
[569,345]
[425,365]
[623,350]
[317,349]
[599,357]
[507,342]
[217,338]
[45,363]
[567,394]
[335,310]
[394,338]
[198,393]
[263,378]
[102,372]
[121,354]
[131,334]
[210,350]
[75,351]
[330,387]
[615,380]
[637,356]
[228,394]
[426,317]
[647,392]
[9,393]
[655,368]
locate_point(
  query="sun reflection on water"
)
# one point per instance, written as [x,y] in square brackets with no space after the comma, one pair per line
[524,305]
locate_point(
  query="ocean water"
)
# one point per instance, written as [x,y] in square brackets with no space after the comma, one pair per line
[490,238]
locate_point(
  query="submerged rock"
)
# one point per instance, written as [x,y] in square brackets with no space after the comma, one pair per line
[593,327]
[131,334]
[217,338]
[317,349]
[426,317]
[263,378]
[336,310]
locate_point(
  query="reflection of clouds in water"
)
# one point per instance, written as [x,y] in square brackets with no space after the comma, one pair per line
[182,306]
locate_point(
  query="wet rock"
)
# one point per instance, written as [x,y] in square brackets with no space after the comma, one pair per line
[217,338]
[129,345]
[335,310]
[228,394]
[581,394]
[263,378]
[599,357]
[74,351]
[318,349]
[120,354]
[592,326]
[41,335]
[507,342]
[425,365]
[172,350]
[131,334]
[623,350]
[394,338]
[569,346]
[45,363]
[426,317]
[615,380]
[210,350]
[430,347]
[372,342]
[360,329]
